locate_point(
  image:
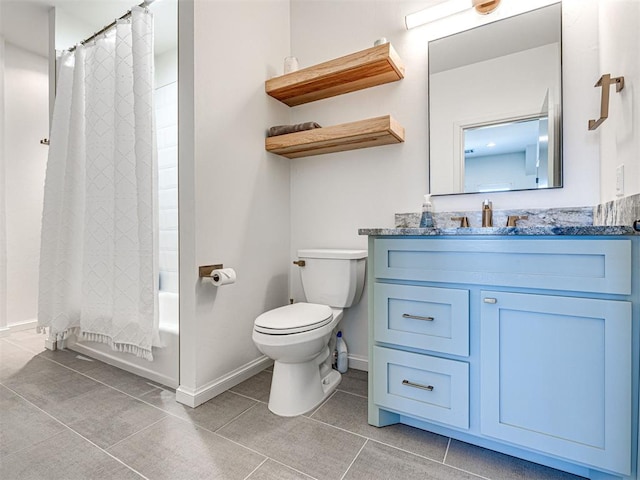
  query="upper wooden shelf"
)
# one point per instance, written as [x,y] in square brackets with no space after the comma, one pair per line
[364,69]
[371,132]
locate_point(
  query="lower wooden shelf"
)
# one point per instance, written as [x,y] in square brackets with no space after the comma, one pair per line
[371,132]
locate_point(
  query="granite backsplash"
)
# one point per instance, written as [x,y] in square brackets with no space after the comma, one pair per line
[623,211]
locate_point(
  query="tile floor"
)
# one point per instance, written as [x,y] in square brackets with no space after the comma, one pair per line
[63,416]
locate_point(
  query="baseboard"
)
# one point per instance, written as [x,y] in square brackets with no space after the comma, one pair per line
[194,397]
[359,363]
[17,327]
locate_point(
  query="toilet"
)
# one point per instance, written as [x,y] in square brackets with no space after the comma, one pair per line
[297,336]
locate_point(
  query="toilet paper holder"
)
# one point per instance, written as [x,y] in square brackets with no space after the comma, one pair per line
[205,271]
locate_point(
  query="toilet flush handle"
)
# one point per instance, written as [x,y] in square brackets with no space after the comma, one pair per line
[300,263]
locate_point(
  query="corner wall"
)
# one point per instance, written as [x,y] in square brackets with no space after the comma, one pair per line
[334,195]
[3,217]
[26,122]
[619,27]
[234,197]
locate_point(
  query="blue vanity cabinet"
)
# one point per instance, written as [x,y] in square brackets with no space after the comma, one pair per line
[525,345]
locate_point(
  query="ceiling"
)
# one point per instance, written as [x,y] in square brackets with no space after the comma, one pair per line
[25,22]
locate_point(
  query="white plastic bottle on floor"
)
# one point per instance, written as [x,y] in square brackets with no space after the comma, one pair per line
[343,360]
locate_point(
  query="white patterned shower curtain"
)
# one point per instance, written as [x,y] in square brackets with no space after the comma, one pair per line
[98,262]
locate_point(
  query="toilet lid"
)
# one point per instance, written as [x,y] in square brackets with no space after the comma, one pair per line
[294,318]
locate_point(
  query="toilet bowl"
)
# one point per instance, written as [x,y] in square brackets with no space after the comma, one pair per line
[297,336]
[302,373]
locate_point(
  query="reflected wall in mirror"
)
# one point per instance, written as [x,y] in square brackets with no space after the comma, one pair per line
[494,106]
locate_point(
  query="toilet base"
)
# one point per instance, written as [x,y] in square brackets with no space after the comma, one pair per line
[297,388]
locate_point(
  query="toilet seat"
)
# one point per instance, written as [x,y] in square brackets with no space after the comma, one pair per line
[294,318]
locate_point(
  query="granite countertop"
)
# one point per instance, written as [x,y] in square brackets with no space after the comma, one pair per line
[546,230]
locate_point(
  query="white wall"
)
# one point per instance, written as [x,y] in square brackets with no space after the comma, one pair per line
[166,67]
[333,195]
[619,27]
[234,197]
[26,123]
[3,223]
[69,30]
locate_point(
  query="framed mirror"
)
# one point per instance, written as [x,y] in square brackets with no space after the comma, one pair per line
[495,118]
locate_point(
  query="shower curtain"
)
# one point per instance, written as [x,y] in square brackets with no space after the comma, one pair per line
[98,262]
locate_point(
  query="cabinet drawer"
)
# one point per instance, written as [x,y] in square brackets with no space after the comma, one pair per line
[581,265]
[422,386]
[427,318]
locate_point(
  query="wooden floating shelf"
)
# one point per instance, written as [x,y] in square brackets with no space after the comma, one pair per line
[372,132]
[364,69]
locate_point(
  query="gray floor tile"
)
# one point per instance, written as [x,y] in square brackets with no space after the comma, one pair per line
[311,447]
[12,359]
[103,372]
[257,387]
[120,379]
[271,470]
[21,424]
[47,384]
[71,359]
[65,456]
[355,381]
[105,416]
[350,413]
[380,462]
[28,339]
[175,449]
[210,415]
[499,466]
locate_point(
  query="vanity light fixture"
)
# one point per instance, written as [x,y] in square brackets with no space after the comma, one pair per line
[448,8]
[436,12]
[484,7]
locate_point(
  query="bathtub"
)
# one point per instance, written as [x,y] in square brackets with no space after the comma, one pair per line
[164,368]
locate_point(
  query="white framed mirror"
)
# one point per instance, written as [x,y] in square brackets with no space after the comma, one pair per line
[495,96]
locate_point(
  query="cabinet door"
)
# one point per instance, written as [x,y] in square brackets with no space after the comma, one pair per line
[556,376]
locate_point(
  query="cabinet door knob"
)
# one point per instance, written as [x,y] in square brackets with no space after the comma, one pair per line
[417,385]
[417,317]
[490,300]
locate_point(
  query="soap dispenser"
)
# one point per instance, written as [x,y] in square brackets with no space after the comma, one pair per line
[426,220]
[487,214]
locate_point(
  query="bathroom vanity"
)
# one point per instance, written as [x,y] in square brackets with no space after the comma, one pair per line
[521,340]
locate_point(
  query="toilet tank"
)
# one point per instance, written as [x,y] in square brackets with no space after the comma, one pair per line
[333,277]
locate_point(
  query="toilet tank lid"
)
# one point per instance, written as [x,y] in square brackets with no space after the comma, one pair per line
[338,253]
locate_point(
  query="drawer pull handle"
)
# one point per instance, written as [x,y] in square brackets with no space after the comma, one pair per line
[490,300]
[417,385]
[417,317]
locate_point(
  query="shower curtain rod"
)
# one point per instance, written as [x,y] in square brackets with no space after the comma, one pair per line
[144,4]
